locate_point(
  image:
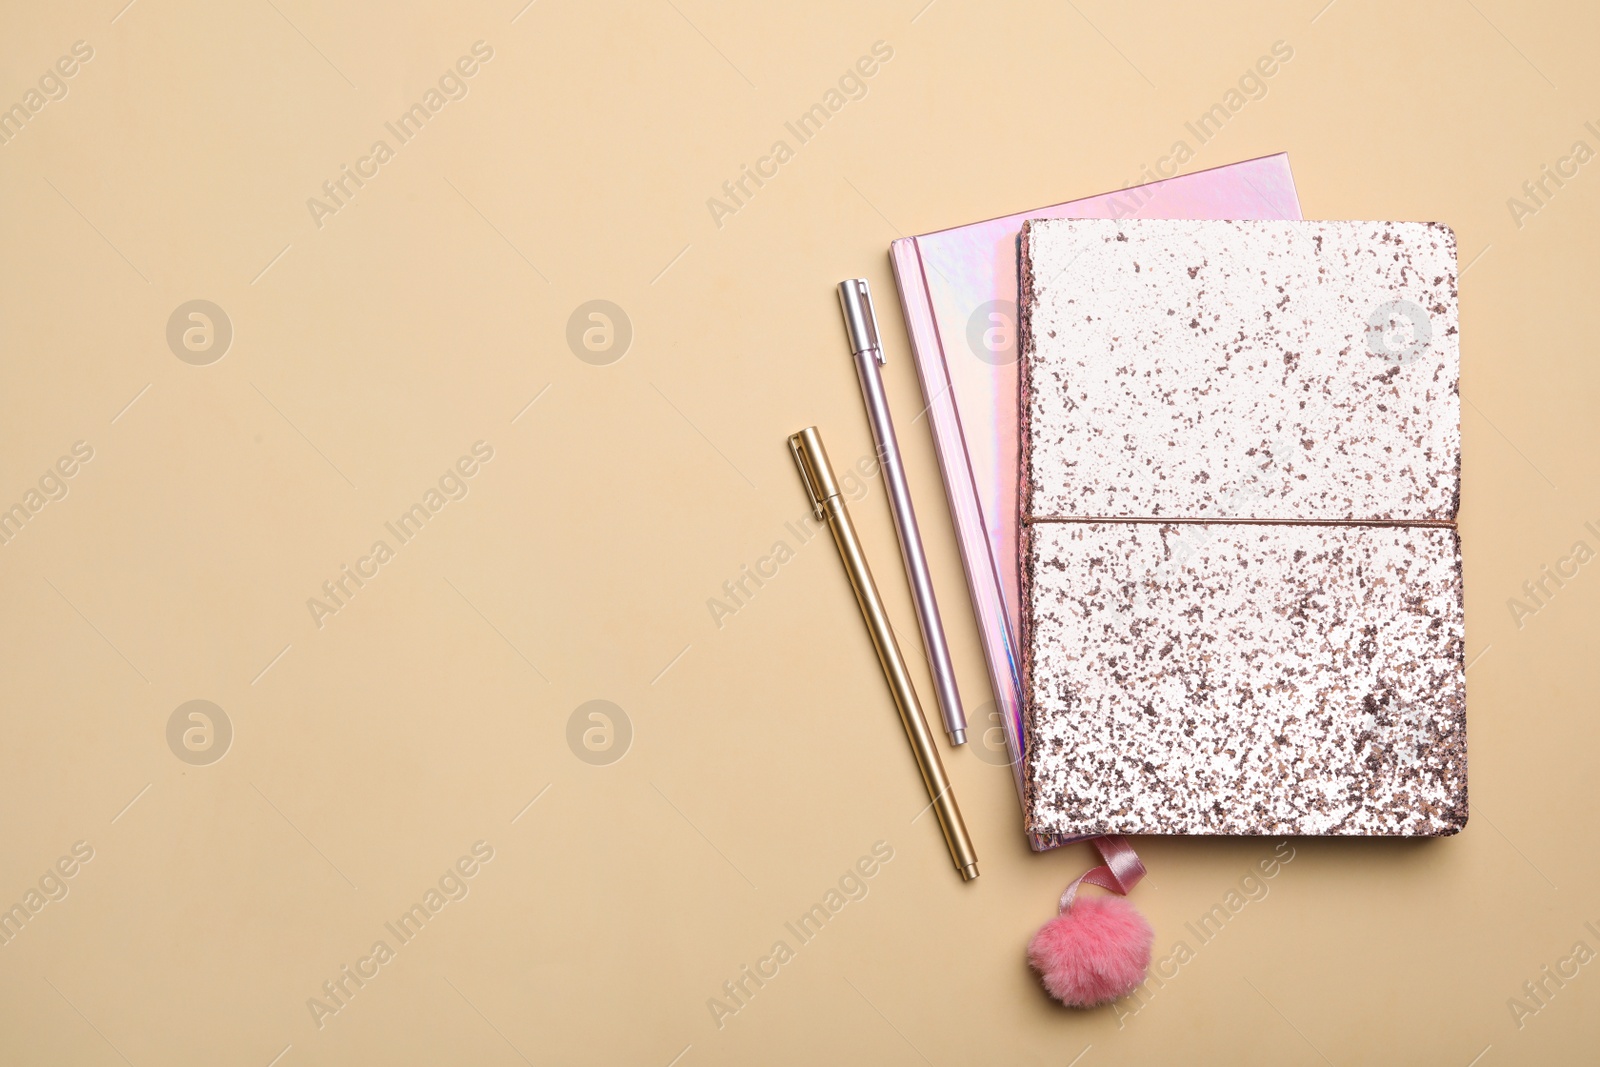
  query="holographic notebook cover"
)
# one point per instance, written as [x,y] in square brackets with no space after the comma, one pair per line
[958,290]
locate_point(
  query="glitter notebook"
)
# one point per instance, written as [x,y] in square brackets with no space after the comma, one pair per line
[958,290]
[1242,600]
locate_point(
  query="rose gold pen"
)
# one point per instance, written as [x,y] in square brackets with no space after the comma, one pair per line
[828,504]
[861,326]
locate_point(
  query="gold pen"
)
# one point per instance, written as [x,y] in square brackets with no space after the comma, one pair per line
[828,504]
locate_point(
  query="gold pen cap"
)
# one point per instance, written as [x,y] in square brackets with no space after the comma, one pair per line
[815,470]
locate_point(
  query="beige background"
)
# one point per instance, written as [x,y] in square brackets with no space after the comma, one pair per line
[370,353]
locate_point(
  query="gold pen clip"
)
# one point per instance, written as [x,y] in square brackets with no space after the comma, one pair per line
[815,471]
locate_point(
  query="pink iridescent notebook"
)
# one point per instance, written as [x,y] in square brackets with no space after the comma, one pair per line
[958,289]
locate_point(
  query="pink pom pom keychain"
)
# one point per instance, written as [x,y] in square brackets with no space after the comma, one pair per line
[1098,948]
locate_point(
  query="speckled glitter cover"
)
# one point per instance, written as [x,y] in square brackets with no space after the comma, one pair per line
[1266,637]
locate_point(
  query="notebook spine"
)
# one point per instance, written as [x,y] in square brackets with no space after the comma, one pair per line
[1024,532]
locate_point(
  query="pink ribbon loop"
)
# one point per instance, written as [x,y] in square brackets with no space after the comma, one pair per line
[1120,872]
